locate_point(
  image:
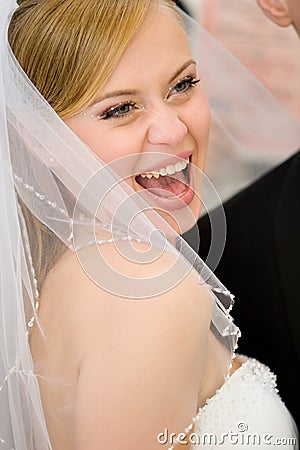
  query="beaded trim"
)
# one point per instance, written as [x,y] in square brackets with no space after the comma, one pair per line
[36,293]
[196,418]
[39,195]
[64,212]
[82,217]
[226,293]
[109,241]
[226,332]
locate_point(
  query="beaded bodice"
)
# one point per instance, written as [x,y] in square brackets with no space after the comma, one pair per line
[246,412]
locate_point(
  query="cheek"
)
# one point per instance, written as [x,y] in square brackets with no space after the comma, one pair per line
[110,148]
[109,144]
[198,121]
[201,120]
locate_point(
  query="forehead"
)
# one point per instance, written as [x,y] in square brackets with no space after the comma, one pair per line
[159,46]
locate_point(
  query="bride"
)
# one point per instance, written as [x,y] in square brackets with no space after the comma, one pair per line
[114,334]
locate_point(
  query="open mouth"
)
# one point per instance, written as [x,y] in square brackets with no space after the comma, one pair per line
[167,182]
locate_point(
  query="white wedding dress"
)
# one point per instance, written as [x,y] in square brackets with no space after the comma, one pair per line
[246,412]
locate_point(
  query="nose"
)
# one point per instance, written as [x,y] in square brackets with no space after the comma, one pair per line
[166,128]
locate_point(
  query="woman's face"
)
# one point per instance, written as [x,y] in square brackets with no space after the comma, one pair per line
[153,113]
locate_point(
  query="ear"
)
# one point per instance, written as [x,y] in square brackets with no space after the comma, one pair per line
[277,11]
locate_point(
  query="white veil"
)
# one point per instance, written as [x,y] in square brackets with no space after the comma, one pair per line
[49,167]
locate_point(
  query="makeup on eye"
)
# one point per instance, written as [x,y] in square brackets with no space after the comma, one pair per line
[183,85]
[120,110]
[125,109]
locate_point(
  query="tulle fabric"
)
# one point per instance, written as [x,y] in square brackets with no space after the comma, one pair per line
[65,186]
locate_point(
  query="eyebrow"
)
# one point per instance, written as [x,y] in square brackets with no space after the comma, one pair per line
[124,92]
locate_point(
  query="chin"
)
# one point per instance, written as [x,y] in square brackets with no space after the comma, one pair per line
[181,220]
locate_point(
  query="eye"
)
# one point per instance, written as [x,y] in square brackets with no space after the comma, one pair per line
[120,111]
[182,86]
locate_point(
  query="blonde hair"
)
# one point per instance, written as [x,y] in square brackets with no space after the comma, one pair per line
[69,48]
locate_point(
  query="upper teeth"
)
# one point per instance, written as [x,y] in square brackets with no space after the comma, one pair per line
[169,170]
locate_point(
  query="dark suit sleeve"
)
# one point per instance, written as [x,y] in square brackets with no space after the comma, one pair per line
[261,253]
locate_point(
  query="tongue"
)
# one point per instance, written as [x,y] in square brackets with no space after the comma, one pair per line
[168,186]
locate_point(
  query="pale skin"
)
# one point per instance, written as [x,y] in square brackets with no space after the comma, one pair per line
[175,121]
[119,371]
[283,12]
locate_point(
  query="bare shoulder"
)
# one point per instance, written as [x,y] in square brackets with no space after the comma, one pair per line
[140,359]
[101,284]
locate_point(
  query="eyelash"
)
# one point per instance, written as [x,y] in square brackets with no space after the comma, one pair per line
[192,83]
[110,112]
[113,112]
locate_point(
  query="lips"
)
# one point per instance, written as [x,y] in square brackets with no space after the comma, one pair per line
[166,182]
[170,187]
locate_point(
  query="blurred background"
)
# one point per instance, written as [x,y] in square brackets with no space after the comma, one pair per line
[272,54]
